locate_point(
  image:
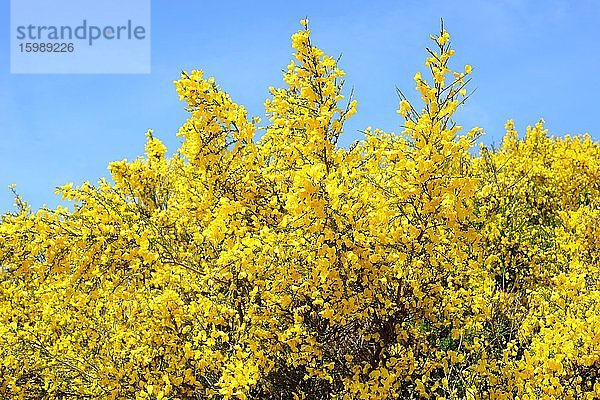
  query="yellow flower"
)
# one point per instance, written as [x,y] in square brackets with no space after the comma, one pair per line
[444,38]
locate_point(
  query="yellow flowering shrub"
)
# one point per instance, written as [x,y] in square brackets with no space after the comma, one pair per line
[540,201]
[263,262]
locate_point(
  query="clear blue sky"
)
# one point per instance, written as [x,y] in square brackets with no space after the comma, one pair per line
[531,59]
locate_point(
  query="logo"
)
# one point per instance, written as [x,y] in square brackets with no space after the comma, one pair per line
[75,36]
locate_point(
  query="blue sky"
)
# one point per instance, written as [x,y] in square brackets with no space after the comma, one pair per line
[531,60]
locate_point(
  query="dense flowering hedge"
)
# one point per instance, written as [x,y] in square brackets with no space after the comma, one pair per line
[287,267]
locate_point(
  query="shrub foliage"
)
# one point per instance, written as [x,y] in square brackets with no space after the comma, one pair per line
[271,263]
